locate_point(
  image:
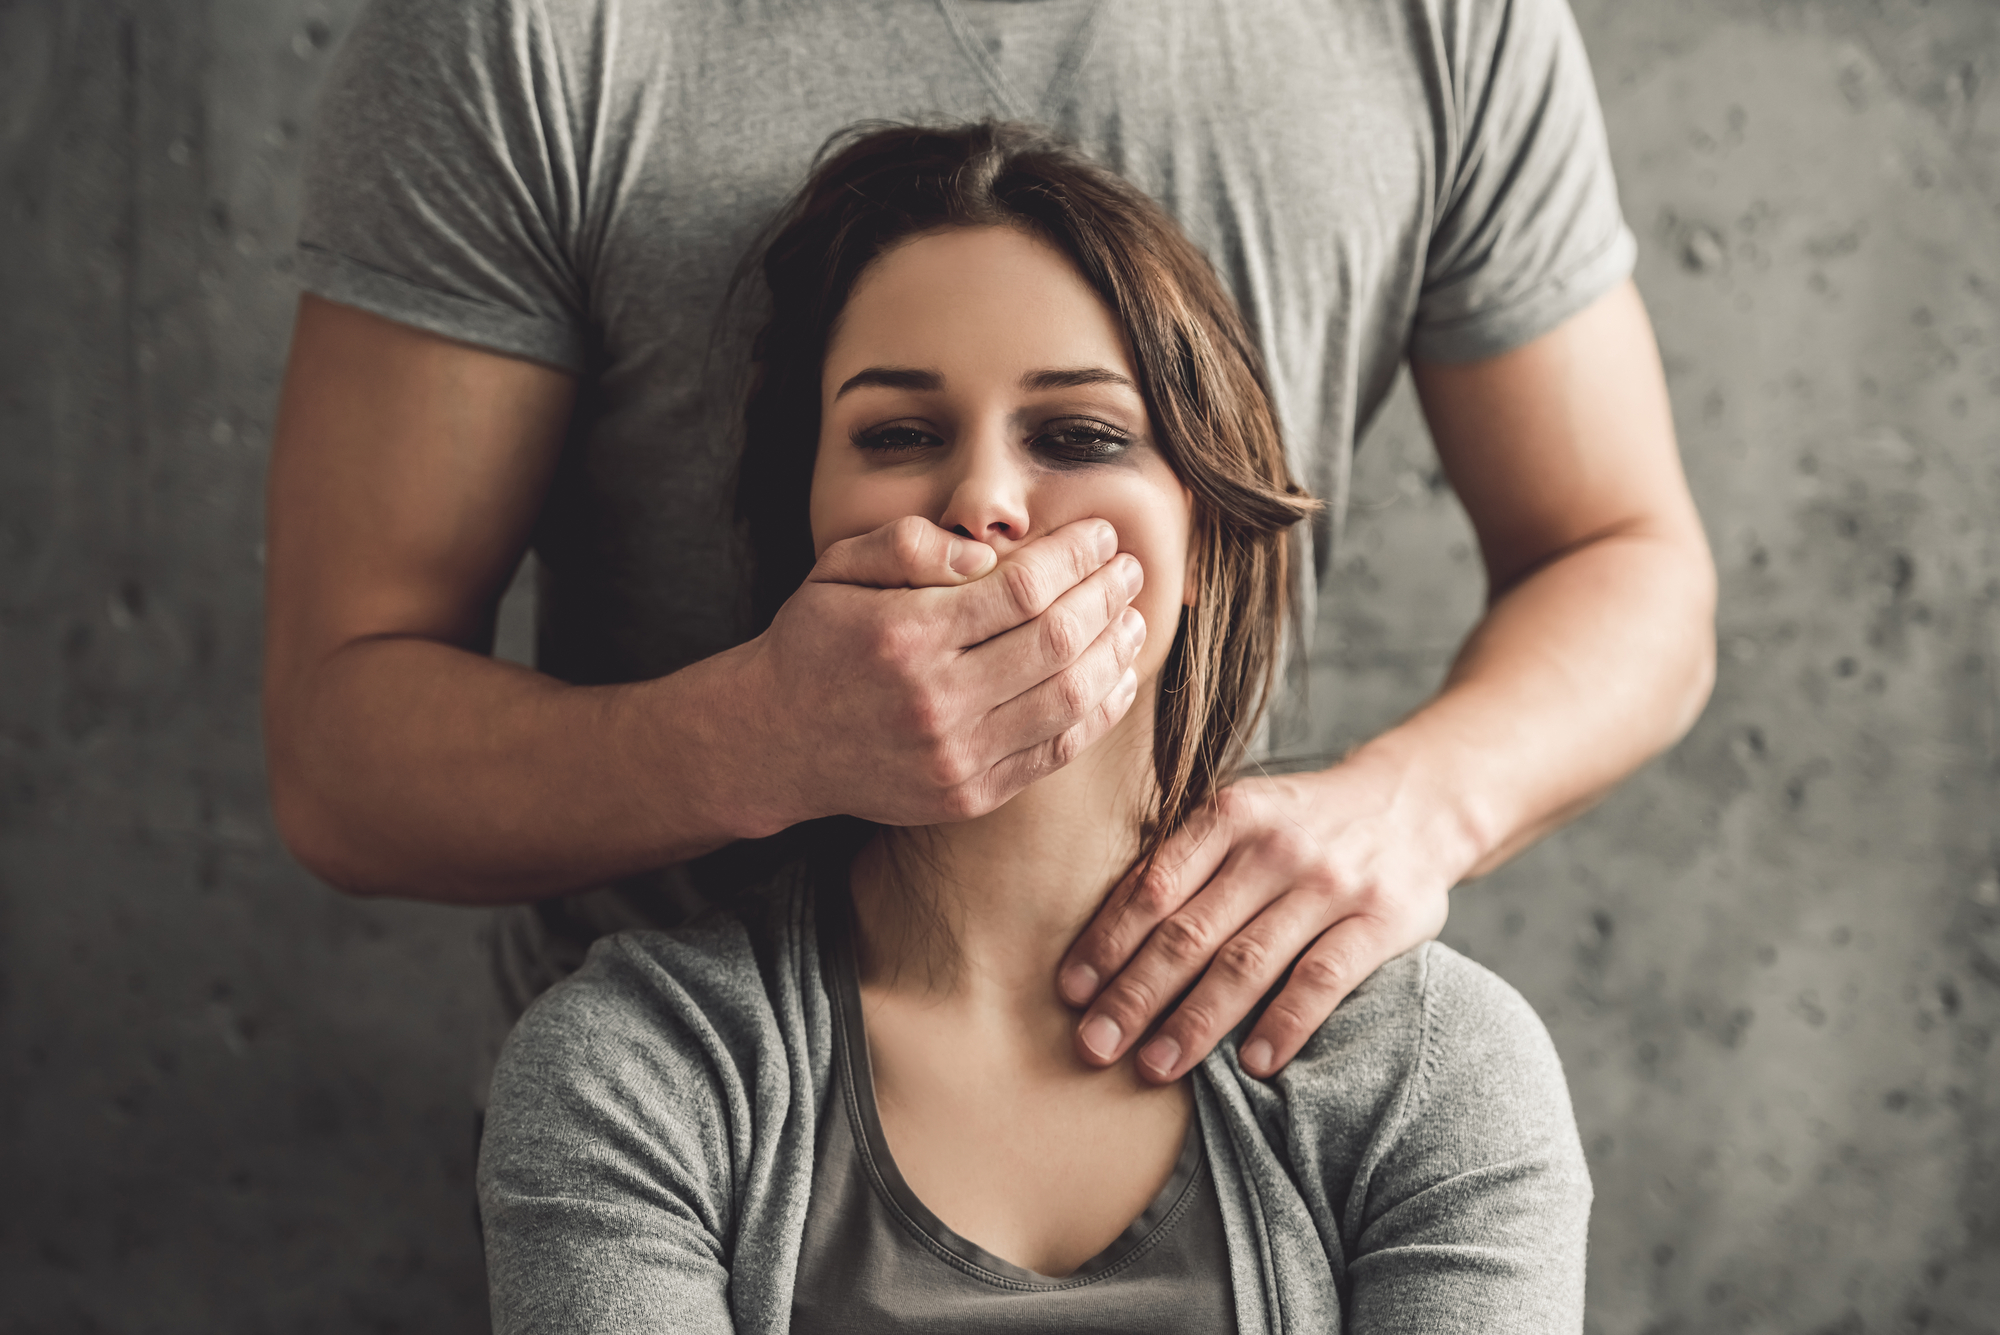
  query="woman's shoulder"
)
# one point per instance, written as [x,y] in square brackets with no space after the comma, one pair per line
[1432,1044]
[1426,999]
[718,992]
[650,1115]
[1427,1132]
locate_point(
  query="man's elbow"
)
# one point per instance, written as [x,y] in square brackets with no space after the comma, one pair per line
[311,831]
[1699,681]
[1697,635]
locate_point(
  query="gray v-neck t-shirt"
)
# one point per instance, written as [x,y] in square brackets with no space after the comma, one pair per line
[874,1259]
[575,181]
[651,1155]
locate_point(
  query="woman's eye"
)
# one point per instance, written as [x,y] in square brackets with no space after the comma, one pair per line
[1083,442]
[895,440]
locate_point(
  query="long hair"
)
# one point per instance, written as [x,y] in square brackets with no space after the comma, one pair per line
[1200,374]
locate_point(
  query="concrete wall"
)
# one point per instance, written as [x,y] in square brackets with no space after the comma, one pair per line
[230,1101]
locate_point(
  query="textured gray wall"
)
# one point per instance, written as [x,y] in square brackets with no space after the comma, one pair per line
[230,1101]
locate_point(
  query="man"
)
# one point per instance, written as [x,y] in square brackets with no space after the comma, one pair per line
[521,224]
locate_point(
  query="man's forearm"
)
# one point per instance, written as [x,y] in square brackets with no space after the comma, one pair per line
[1575,677]
[406,767]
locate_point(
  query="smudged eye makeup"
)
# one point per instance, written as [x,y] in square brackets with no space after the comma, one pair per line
[894,439]
[1064,442]
[1080,440]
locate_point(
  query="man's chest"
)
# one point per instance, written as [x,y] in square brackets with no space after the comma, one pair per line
[1295,142]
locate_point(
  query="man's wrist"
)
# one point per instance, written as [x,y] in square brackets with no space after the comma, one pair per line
[1442,820]
[713,747]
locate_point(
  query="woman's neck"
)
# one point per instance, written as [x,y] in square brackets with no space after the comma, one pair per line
[994,1120]
[980,912]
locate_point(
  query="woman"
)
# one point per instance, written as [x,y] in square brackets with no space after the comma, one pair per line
[857,1108]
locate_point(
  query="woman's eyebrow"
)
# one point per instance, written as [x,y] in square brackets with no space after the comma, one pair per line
[913,378]
[1075,377]
[892,377]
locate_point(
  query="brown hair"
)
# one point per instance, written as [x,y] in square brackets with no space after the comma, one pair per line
[1200,374]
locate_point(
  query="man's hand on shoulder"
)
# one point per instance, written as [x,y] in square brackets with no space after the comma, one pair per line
[1326,875]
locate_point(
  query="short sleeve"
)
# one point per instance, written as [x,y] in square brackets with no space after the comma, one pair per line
[442,187]
[1529,231]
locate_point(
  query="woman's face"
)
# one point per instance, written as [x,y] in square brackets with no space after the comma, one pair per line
[975,379]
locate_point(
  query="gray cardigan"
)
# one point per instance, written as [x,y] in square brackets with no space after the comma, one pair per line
[649,1148]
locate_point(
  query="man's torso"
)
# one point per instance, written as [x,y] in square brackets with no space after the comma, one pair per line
[579,180]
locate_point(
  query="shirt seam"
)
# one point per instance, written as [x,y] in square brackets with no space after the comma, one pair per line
[1417,1091]
[990,73]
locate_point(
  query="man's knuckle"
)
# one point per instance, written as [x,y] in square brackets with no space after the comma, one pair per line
[1323,972]
[1065,746]
[1185,939]
[963,802]
[1199,1017]
[1024,584]
[1289,846]
[897,642]
[1285,1022]
[928,719]
[1368,898]
[966,770]
[1062,635]
[909,537]
[1073,694]
[1114,600]
[1243,959]
[938,773]
[947,767]
[1156,895]
[1079,556]
[1129,1002]
[1323,877]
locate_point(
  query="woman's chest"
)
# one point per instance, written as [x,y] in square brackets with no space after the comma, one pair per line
[1043,1168]
[1029,1244]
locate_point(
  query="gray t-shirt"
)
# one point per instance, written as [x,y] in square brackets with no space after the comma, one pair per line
[649,1155]
[575,182]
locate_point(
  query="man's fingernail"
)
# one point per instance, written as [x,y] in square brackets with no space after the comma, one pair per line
[1257,1057]
[1101,1036]
[1079,984]
[1133,627]
[968,558]
[1134,576]
[1160,1055]
[1107,542]
[1127,689]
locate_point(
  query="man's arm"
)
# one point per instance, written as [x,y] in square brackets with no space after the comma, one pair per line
[406,475]
[1596,652]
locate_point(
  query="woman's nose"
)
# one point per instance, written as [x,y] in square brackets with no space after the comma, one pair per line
[989,494]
